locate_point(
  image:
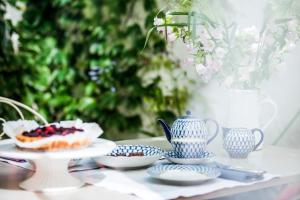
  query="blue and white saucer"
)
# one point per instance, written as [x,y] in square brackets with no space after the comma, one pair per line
[184,173]
[204,157]
[130,156]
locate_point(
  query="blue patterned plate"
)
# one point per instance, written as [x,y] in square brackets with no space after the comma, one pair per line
[184,173]
[205,157]
[130,156]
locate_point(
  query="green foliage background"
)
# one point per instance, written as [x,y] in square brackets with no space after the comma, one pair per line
[83,59]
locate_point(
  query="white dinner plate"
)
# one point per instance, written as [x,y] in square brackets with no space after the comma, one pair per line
[175,173]
[120,157]
[98,147]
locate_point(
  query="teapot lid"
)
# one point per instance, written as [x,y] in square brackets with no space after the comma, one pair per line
[187,116]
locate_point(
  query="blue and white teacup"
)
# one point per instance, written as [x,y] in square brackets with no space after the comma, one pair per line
[189,148]
[239,142]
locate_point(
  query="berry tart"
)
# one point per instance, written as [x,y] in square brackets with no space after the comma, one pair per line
[54,136]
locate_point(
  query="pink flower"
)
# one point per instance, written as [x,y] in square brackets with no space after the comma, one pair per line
[172,37]
[189,61]
[213,64]
[158,21]
[190,47]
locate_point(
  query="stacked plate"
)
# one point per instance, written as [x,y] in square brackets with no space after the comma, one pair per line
[176,173]
[204,158]
[186,170]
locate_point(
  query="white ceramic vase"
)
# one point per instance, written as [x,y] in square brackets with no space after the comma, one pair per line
[245,110]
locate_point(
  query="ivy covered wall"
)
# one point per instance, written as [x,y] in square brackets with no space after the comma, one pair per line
[83,59]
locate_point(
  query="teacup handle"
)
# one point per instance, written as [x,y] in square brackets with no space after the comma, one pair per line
[261,137]
[217,129]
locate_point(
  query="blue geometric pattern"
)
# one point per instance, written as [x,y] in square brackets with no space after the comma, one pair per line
[189,149]
[189,128]
[209,170]
[127,149]
[239,142]
[203,154]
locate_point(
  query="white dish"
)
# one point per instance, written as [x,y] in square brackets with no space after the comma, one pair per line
[206,157]
[183,173]
[51,168]
[120,156]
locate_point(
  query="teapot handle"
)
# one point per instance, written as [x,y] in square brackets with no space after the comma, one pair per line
[217,129]
[261,137]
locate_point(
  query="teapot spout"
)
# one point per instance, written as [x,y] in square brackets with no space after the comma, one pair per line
[166,128]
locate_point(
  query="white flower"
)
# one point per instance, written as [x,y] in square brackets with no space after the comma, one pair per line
[292,36]
[292,24]
[163,29]
[158,21]
[254,47]
[216,65]
[206,77]
[217,33]
[212,64]
[290,46]
[208,45]
[201,69]
[251,31]
[202,33]
[15,42]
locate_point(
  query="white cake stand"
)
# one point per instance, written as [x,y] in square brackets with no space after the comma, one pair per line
[51,168]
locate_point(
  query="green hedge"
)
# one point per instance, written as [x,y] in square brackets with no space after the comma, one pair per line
[83,59]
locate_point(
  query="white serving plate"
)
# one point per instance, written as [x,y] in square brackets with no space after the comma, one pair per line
[151,154]
[206,157]
[51,168]
[189,174]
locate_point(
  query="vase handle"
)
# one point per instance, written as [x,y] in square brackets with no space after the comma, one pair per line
[261,137]
[217,129]
[275,111]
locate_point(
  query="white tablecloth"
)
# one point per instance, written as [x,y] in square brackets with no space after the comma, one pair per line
[139,183]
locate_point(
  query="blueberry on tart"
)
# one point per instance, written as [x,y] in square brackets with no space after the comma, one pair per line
[55,136]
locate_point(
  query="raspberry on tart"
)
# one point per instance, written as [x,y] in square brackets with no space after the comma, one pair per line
[46,131]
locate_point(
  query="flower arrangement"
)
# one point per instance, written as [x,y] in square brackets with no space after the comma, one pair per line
[238,57]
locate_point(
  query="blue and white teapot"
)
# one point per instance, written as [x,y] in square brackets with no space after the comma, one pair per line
[189,134]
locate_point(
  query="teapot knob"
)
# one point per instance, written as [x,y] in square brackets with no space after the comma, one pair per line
[188,113]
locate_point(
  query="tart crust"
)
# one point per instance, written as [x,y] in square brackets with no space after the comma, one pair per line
[54,145]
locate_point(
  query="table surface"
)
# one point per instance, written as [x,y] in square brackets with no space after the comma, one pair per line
[276,160]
